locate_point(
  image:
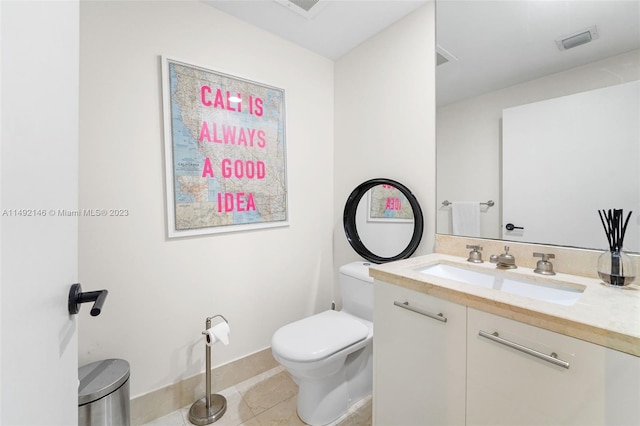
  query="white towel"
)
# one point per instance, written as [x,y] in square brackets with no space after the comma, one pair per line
[465,218]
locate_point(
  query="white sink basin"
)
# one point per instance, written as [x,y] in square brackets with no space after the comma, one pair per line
[547,291]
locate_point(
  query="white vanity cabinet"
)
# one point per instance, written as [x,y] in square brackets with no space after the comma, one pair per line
[596,386]
[482,369]
[419,360]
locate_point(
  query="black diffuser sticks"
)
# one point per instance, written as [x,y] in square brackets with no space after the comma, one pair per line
[614,227]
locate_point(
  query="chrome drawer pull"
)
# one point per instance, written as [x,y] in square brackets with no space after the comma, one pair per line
[405,305]
[553,358]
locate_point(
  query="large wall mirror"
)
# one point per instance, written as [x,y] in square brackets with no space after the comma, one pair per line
[537,114]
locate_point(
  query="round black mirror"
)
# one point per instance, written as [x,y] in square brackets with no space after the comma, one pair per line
[383,221]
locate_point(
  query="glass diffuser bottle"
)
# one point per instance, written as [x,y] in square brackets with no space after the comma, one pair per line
[616,268]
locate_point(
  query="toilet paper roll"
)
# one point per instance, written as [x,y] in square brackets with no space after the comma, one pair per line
[217,333]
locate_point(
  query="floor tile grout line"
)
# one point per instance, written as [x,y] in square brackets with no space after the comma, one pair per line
[253,416]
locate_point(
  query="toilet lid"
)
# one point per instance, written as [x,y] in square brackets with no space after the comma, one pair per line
[318,336]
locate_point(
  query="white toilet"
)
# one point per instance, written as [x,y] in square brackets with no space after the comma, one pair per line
[330,354]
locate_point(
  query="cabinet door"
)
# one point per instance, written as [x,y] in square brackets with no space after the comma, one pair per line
[419,361]
[506,386]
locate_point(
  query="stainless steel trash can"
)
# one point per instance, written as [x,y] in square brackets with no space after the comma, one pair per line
[103,395]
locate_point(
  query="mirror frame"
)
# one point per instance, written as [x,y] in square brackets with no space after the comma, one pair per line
[351,229]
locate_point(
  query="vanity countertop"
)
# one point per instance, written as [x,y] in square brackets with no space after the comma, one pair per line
[603,315]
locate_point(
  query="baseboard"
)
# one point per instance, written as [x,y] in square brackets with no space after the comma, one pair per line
[161,402]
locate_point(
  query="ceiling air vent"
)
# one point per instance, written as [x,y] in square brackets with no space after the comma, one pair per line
[440,59]
[578,38]
[443,56]
[306,8]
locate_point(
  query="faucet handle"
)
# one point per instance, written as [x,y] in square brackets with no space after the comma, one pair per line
[543,266]
[474,255]
[545,256]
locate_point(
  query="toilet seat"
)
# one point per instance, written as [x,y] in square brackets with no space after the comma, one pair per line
[318,336]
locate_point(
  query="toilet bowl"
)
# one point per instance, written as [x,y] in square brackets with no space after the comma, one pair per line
[330,354]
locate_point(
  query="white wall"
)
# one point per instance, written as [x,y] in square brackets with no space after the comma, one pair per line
[469,133]
[161,290]
[385,119]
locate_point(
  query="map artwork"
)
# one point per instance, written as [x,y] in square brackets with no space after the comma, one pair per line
[225,152]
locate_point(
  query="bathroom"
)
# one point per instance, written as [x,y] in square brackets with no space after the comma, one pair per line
[160,289]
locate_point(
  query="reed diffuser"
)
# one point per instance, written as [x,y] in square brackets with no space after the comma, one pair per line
[615,267]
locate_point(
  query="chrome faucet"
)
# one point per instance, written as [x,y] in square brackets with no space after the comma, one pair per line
[474,255]
[505,260]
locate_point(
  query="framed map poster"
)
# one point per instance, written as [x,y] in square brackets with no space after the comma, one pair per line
[225,152]
[388,204]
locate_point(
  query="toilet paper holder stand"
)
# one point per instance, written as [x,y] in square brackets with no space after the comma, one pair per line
[210,408]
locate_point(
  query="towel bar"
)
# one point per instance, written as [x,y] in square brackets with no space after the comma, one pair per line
[489,203]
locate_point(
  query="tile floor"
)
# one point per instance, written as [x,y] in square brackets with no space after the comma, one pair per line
[268,399]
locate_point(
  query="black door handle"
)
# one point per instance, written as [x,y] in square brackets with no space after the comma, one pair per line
[77,297]
[511,227]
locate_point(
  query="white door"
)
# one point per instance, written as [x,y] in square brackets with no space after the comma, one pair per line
[564,159]
[39,179]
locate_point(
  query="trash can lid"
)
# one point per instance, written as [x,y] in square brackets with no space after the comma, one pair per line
[100,378]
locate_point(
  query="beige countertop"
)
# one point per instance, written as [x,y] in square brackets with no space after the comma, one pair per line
[603,315]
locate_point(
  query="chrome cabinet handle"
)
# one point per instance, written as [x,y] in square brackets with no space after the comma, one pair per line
[553,358]
[405,305]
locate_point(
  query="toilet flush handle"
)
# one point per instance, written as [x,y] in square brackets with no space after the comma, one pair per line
[77,297]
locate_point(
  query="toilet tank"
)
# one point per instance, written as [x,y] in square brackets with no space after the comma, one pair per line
[356,287]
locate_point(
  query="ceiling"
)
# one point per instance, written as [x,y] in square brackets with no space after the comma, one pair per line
[337,27]
[493,44]
[502,43]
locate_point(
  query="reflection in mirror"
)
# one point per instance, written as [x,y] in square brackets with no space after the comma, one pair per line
[383,221]
[546,130]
